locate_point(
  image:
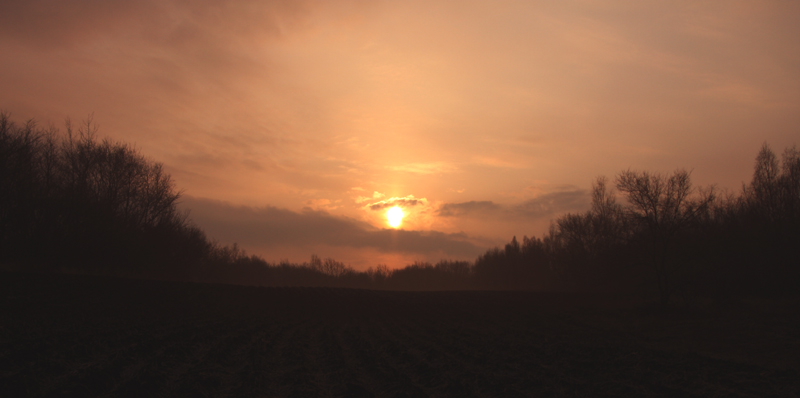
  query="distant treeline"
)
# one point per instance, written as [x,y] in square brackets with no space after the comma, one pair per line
[70,202]
[667,238]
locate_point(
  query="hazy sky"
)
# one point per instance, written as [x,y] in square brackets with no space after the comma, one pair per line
[292,126]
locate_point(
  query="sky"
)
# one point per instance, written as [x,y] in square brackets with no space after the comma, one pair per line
[292,127]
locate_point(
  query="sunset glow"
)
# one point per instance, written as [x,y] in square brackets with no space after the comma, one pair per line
[292,127]
[395,216]
[400,197]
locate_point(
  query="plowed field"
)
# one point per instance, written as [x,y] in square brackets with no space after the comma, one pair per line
[91,336]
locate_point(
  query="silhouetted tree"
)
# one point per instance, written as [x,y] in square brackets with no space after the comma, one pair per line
[663,207]
[774,192]
[587,248]
[74,202]
[517,266]
[766,223]
[77,202]
[379,274]
[329,267]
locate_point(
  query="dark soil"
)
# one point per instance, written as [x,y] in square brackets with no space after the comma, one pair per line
[63,335]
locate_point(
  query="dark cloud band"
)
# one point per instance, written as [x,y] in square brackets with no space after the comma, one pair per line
[273,227]
[402,202]
[546,205]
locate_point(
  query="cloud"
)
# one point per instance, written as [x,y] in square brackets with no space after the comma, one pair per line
[322,204]
[48,23]
[467,208]
[553,203]
[375,195]
[408,201]
[272,227]
[542,206]
[426,168]
[499,163]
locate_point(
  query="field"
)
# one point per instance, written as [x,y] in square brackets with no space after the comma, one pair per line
[64,335]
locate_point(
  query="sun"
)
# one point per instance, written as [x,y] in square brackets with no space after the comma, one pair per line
[395,216]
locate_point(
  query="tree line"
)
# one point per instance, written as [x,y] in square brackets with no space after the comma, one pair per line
[667,238]
[71,202]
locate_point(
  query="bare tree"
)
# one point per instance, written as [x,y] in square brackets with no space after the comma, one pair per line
[774,193]
[765,188]
[663,206]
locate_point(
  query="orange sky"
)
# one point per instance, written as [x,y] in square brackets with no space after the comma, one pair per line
[286,122]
